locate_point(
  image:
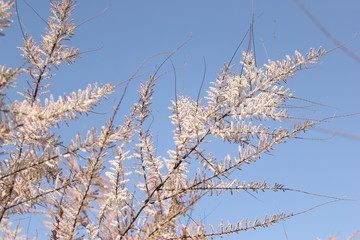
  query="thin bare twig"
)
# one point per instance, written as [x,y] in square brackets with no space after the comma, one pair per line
[326,32]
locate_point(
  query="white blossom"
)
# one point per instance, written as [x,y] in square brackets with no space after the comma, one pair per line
[112,182]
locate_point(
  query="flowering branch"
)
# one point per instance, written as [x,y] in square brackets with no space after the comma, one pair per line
[112,183]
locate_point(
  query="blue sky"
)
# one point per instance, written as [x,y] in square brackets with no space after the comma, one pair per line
[131,31]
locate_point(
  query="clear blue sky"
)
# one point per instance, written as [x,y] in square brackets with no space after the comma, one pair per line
[131,31]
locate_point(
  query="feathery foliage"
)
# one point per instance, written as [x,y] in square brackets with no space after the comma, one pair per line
[91,176]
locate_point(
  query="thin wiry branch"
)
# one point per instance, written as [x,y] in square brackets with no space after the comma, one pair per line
[112,182]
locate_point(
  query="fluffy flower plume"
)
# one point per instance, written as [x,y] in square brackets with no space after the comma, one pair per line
[5,15]
[112,182]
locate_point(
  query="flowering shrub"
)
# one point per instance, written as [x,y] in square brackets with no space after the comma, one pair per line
[40,174]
